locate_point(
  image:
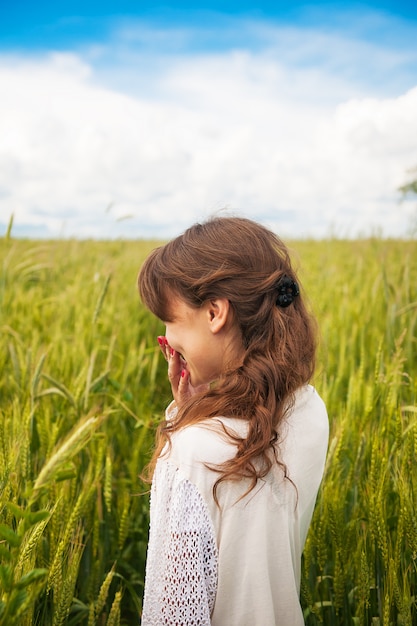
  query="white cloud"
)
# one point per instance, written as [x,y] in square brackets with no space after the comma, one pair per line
[301,147]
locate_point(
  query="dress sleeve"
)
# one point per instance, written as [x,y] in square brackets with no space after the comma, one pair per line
[181,570]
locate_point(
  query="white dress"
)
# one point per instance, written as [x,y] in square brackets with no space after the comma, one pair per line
[238,564]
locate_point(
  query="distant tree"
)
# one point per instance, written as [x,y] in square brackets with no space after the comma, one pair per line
[406,189]
[411,186]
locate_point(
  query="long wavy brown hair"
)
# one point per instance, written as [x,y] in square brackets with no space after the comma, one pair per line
[240,260]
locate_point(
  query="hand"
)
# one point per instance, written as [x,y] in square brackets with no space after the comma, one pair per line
[178,375]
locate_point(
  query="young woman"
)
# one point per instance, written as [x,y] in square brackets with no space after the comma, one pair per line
[240,456]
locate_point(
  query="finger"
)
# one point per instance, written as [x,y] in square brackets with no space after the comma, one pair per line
[163,344]
[184,381]
[183,386]
[174,367]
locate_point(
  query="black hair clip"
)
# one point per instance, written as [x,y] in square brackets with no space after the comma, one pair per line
[287,291]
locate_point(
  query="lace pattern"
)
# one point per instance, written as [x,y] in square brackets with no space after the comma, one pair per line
[181,569]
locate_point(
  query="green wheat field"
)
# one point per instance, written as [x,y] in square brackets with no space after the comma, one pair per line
[83,385]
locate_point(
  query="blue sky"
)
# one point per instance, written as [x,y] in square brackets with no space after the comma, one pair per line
[68,25]
[133,120]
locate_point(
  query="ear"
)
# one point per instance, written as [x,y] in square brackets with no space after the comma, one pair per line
[217,314]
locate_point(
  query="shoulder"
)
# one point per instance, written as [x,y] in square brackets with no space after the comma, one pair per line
[196,452]
[309,407]
[305,434]
[203,443]
[307,418]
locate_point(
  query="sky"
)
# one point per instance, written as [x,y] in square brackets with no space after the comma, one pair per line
[134,119]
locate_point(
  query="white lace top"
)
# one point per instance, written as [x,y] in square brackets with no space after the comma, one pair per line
[238,564]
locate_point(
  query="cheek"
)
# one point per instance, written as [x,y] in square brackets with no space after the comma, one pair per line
[171,338]
[168,336]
